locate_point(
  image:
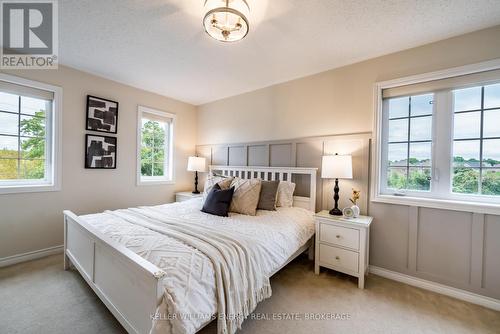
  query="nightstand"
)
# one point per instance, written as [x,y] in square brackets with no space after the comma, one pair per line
[186,195]
[342,244]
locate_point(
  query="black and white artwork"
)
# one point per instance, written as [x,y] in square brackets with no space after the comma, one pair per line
[102,115]
[100,152]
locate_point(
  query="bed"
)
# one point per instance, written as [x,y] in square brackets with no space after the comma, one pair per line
[145,274]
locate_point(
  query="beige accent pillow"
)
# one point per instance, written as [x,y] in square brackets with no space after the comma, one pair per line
[246,196]
[285,194]
[224,183]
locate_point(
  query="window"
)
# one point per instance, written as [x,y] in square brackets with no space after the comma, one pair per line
[29,129]
[476,140]
[155,146]
[409,142]
[438,140]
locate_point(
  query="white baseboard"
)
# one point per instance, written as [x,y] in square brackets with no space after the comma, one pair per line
[437,287]
[18,258]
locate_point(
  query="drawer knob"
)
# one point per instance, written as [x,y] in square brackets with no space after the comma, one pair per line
[337,258]
[338,236]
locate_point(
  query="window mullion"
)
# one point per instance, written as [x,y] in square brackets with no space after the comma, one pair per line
[408,146]
[442,163]
[19,138]
[481,126]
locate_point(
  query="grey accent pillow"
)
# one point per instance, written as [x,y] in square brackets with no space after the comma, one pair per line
[268,194]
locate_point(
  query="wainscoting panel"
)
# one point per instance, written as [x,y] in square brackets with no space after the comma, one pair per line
[258,155]
[491,259]
[389,236]
[444,245]
[281,155]
[237,156]
[457,249]
[308,154]
[220,155]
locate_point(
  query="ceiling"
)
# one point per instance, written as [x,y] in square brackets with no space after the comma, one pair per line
[160,45]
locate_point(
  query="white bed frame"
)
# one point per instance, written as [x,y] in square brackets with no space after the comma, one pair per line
[130,286]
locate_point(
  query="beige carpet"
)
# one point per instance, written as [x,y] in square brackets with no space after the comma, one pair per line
[39,297]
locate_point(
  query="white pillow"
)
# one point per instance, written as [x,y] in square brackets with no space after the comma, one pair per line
[285,194]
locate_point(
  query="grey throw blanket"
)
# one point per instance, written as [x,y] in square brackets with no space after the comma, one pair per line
[240,281]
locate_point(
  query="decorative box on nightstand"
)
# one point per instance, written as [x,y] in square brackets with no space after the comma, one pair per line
[342,244]
[186,195]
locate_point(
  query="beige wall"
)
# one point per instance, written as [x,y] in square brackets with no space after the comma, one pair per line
[333,102]
[34,221]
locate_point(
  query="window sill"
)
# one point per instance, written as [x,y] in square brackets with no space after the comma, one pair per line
[32,188]
[155,182]
[445,204]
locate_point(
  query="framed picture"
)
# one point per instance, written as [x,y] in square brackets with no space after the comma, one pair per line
[100,152]
[102,115]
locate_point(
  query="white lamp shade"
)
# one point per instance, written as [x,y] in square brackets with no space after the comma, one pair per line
[336,167]
[197,164]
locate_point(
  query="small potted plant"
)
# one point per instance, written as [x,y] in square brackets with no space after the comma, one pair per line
[354,200]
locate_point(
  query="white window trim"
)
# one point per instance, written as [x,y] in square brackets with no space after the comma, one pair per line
[160,180]
[56,154]
[376,187]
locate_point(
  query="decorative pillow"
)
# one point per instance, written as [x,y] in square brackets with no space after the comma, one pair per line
[218,201]
[246,196]
[223,182]
[285,194]
[268,194]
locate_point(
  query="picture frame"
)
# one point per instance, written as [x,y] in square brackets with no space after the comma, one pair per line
[102,115]
[100,152]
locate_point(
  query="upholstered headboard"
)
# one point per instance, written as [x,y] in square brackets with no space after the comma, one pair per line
[275,173]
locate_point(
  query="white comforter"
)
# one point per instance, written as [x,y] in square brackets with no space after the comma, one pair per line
[190,299]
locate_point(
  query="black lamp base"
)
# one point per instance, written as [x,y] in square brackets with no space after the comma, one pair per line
[195,191]
[336,212]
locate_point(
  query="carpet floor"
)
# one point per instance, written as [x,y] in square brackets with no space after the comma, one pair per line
[39,297]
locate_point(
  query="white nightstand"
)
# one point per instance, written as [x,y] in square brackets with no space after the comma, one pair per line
[186,195]
[342,244]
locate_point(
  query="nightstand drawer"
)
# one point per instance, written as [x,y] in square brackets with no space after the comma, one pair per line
[338,257]
[337,235]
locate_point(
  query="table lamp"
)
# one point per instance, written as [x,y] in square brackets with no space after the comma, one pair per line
[196,164]
[336,167]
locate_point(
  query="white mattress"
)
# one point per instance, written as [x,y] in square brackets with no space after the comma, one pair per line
[190,282]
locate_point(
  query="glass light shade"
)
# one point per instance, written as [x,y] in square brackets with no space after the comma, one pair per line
[196,164]
[226,20]
[336,167]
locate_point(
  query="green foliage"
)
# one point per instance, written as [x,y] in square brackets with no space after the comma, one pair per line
[32,163]
[153,149]
[396,179]
[465,180]
[419,179]
[491,182]
[33,148]
[8,167]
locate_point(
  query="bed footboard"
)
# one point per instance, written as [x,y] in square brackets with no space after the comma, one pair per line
[127,284]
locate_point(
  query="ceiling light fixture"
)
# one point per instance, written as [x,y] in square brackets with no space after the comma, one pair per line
[225,20]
